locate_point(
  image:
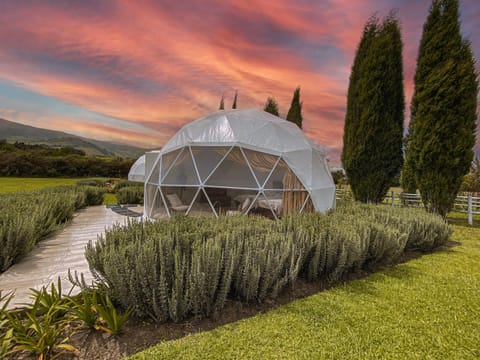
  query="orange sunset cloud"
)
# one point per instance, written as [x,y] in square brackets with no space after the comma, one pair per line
[136,71]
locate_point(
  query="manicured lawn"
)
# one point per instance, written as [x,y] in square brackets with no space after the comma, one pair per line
[109,199]
[428,308]
[12,184]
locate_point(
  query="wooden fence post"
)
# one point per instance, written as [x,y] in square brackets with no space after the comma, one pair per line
[393,198]
[470,210]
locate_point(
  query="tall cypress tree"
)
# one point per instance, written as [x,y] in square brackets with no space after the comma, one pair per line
[222,104]
[234,105]
[372,141]
[407,178]
[443,112]
[271,106]
[295,112]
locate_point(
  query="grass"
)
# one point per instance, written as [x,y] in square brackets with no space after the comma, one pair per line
[109,199]
[14,184]
[428,308]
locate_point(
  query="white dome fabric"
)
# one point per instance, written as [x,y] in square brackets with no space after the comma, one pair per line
[254,128]
[137,171]
[237,161]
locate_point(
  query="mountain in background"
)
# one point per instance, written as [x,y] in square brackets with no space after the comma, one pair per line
[12,132]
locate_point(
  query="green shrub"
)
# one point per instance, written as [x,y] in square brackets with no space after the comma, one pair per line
[127,183]
[27,217]
[130,195]
[93,195]
[92,182]
[170,270]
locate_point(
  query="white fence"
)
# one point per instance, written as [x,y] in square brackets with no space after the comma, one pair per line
[467,204]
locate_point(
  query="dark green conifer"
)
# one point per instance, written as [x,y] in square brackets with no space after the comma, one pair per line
[407,179]
[234,105]
[372,142]
[443,112]
[295,112]
[222,104]
[271,106]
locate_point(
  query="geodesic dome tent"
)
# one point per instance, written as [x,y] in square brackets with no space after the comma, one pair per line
[137,171]
[237,161]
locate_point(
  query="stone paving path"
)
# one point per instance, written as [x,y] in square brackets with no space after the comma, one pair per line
[53,256]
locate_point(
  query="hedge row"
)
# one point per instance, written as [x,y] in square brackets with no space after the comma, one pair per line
[42,161]
[170,270]
[130,194]
[27,217]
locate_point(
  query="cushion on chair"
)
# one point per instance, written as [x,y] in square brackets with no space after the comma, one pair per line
[245,204]
[174,200]
[180,208]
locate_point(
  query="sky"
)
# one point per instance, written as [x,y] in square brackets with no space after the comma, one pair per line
[134,72]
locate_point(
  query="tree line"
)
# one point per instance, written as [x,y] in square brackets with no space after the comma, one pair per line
[21,159]
[438,150]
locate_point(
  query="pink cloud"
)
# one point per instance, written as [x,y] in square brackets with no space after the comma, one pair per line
[163,64]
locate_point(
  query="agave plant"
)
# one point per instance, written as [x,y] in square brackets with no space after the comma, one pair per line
[44,336]
[6,332]
[109,319]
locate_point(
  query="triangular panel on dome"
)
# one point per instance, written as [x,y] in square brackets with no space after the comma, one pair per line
[287,202]
[179,198]
[158,209]
[300,162]
[262,138]
[321,176]
[201,205]
[182,171]
[207,158]
[244,126]
[323,199]
[168,159]
[231,201]
[261,164]
[307,206]
[137,171]
[268,207]
[154,176]
[154,206]
[233,172]
[283,178]
[289,141]
[213,130]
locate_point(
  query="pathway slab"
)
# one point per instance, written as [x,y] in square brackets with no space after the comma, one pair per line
[54,256]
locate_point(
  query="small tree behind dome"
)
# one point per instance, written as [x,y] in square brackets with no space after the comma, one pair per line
[234,105]
[295,112]
[222,103]
[271,106]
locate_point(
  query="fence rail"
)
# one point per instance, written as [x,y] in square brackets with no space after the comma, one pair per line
[466,204]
